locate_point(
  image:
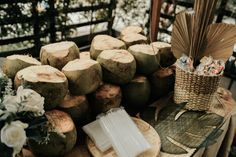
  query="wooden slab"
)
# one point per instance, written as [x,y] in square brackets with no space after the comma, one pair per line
[149,133]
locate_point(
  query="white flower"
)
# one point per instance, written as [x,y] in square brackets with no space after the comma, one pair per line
[10,103]
[13,135]
[1,112]
[30,101]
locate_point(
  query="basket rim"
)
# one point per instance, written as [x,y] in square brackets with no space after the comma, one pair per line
[177,66]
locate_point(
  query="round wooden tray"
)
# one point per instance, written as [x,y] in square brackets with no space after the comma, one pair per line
[149,133]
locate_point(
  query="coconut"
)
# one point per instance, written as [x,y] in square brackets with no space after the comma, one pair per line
[47,81]
[62,138]
[59,54]
[106,97]
[104,42]
[119,66]
[147,58]
[131,29]
[166,55]
[136,93]
[76,106]
[84,76]
[133,38]
[162,82]
[15,63]
[85,55]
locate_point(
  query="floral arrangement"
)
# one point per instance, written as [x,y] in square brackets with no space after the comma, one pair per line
[21,118]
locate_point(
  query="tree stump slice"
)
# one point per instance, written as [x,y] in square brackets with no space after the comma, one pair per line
[149,133]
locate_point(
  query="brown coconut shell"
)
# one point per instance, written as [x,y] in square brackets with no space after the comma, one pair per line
[14,63]
[162,82]
[104,42]
[59,54]
[133,39]
[106,97]
[167,57]
[57,145]
[76,106]
[49,82]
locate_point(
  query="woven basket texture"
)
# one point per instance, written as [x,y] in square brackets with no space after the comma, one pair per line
[197,90]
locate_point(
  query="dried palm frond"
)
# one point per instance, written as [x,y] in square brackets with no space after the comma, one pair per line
[181,33]
[220,40]
[204,11]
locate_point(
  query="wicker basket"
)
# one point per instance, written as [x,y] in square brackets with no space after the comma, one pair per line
[197,90]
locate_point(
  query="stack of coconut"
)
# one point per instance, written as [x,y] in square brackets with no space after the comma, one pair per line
[128,71]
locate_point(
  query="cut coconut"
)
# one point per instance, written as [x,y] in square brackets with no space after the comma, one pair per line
[119,66]
[147,58]
[166,55]
[84,76]
[47,81]
[15,63]
[106,97]
[105,42]
[162,82]
[133,38]
[136,94]
[59,54]
[85,55]
[131,29]
[62,138]
[76,106]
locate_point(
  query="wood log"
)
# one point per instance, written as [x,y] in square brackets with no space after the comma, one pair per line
[131,29]
[104,42]
[147,58]
[47,81]
[14,63]
[58,144]
[136,94]
[106,97]
[118,66]
[76,106]
[162,82]
[84,76]
[166,55]
[59,54]
[133,38]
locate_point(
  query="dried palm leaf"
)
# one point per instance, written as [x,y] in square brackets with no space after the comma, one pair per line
[204,13]
[220,40]
[181,34]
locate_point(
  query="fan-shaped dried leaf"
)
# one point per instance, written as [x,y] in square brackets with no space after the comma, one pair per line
[220,40]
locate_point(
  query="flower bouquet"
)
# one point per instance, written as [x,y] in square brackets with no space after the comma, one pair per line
[22,117]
